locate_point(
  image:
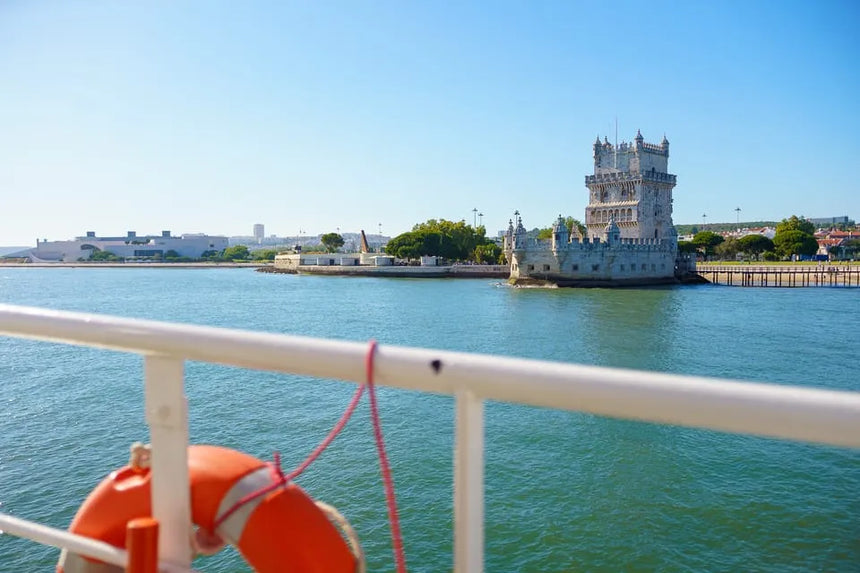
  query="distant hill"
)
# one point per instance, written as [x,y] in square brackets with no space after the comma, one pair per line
[717,227]
[6,250]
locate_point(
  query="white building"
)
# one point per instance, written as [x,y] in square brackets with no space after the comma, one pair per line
[131,246]
[630,235]
[259,233]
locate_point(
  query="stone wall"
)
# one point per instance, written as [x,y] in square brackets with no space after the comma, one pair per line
[600,261]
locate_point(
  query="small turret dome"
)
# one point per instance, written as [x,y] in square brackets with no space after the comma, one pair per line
[639,136]
[612,234]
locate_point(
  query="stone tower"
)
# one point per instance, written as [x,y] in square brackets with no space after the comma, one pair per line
[631,186]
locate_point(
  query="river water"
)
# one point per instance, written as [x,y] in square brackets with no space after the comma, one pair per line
[564,491]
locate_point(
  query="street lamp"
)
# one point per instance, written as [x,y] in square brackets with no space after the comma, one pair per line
[481,219]
[704,216]
[738,216]
[475,217]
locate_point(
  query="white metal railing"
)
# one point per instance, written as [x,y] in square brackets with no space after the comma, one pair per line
[788,412]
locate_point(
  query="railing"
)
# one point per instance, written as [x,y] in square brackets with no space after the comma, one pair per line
[826,275]
[788,412]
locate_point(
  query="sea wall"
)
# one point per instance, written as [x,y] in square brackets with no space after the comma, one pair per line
[453,271]
[601,262]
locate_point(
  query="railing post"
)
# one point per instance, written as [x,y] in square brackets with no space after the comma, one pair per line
[469,483]
[167,416]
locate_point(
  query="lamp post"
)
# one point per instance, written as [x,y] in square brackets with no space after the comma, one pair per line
[704,216]
[481,219]
[475,217]
[738,216]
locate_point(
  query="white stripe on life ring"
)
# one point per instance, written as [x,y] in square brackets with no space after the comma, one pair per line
[231,528]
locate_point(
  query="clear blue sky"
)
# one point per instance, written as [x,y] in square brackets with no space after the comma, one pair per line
[212,116]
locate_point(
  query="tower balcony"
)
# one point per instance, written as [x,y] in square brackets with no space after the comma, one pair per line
[623,176]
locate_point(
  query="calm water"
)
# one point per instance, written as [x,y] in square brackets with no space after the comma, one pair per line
[565,491]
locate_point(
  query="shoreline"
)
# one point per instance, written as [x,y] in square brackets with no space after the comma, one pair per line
[78,265]
[453,271]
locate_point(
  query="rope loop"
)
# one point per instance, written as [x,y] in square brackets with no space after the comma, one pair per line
[281,480]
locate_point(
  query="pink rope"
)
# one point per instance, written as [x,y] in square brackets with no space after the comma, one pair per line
[280,478]
[387,480]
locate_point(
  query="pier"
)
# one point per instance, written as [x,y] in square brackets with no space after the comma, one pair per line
[827,275]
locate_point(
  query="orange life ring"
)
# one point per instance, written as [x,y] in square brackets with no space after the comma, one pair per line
[281,531]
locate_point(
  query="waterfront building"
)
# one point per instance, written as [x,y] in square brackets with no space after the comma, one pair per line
[259,233]
[830,221]
[130,246]
[629,238]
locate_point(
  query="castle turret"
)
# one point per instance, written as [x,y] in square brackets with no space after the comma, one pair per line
[509,235]
[560,236]
[519,234]
[665,145]
[639,139]
[612,234]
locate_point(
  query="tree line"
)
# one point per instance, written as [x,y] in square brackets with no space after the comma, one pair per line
[795,236]
[230,254]
[454,241]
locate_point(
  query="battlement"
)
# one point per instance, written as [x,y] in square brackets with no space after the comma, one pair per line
[654,148]
[634,157]
[622,176]
[595,244]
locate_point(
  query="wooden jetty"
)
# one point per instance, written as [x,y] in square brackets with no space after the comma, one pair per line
[781,276]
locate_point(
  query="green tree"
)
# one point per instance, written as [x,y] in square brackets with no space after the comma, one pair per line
[544,234]
[795,223]
[850,249]
[686,247]
[408,245]
[235,253]
[104,256]
[572,225]
[794,236]
[755,245]
[487,253]
[210,255]
[332,242]
[264,254]
[706,241]
[577,224]
[788,243]
[457,240]
[171,255]
[728,249]
[441,238]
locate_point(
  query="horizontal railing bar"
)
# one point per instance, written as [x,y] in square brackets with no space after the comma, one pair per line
[789,412]
[73,542]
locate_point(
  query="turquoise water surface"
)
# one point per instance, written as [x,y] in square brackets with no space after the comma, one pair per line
[565,491]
